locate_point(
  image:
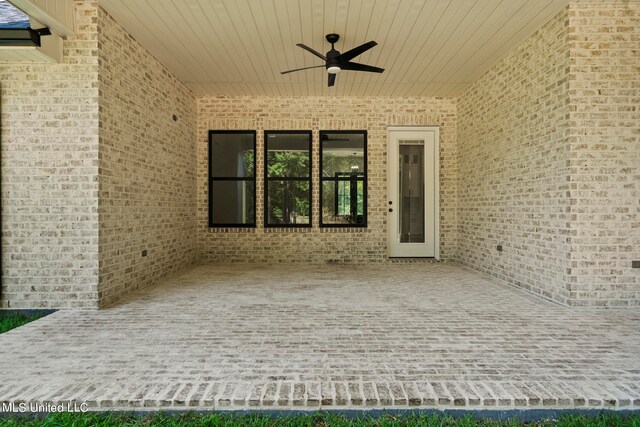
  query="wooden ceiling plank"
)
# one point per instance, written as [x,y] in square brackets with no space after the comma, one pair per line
[442,89]
[294,36]
[350,24]
[267,63]
[526,28]
[210,88]
[412,88]
[457,90]
[437,86]
[439,36]
[391,24]
[256,87]
[199,33]
[380,15]
[475,43]
[241,19]
[357,25]
[317,41]
[343,8]
[360,29]
[328,20]
[341,18]
[481,46]
[132,21]
[305,18]
[165,25]
[379,88]
[417,53]
[402,36]
[472,23]
[268,40]
[328,26]
[239,49]
[417,91]
[278,12]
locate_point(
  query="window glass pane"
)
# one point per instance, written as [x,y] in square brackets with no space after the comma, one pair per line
[288,155]
[343,202]
[232,202]
[288,202]
[343,198]
[232,155]
[342,153]
[360,197]
[411,192]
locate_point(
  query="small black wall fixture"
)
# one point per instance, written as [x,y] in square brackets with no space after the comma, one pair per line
[22,36]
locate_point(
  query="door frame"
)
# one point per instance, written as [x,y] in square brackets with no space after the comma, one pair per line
[436,177]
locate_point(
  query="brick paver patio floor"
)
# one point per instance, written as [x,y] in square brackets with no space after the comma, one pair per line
[330,336]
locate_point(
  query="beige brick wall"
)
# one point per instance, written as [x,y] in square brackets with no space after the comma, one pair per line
[513,167]
[318,113]
[94,170]
[147,166]
[549,160]
[50,176]
[604,120]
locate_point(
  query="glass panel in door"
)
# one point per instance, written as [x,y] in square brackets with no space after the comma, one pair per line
[411,191]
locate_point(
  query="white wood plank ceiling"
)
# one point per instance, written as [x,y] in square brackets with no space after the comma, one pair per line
[239,47]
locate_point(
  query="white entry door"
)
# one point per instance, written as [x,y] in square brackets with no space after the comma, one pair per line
[413,187]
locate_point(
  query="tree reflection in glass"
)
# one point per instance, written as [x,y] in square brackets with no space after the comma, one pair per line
[288,184]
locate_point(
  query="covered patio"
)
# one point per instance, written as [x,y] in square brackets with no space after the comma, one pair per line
[387,335]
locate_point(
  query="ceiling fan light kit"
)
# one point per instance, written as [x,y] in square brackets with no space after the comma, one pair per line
[335,61]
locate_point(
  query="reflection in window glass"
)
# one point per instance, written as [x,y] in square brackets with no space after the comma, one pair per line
[288,178]
[342,153]
[289,202]
[344,198]
[344,178]
[232,181]
[233,202]
[288,155]
[232,155]
[343,203]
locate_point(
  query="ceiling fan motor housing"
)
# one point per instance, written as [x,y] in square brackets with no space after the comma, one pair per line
[332,61]
[333,65]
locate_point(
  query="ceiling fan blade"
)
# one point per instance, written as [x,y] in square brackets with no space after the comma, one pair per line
[300,69]
[332,79]
[308,49]
[361,67]
[350,54]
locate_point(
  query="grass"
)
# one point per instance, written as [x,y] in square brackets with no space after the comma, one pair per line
[12,320]
[105,419]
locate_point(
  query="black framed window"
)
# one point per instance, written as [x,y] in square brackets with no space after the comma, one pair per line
[232,178]
[287,195]
[343,180]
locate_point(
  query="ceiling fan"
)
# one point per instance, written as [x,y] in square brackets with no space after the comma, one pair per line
[335,61]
